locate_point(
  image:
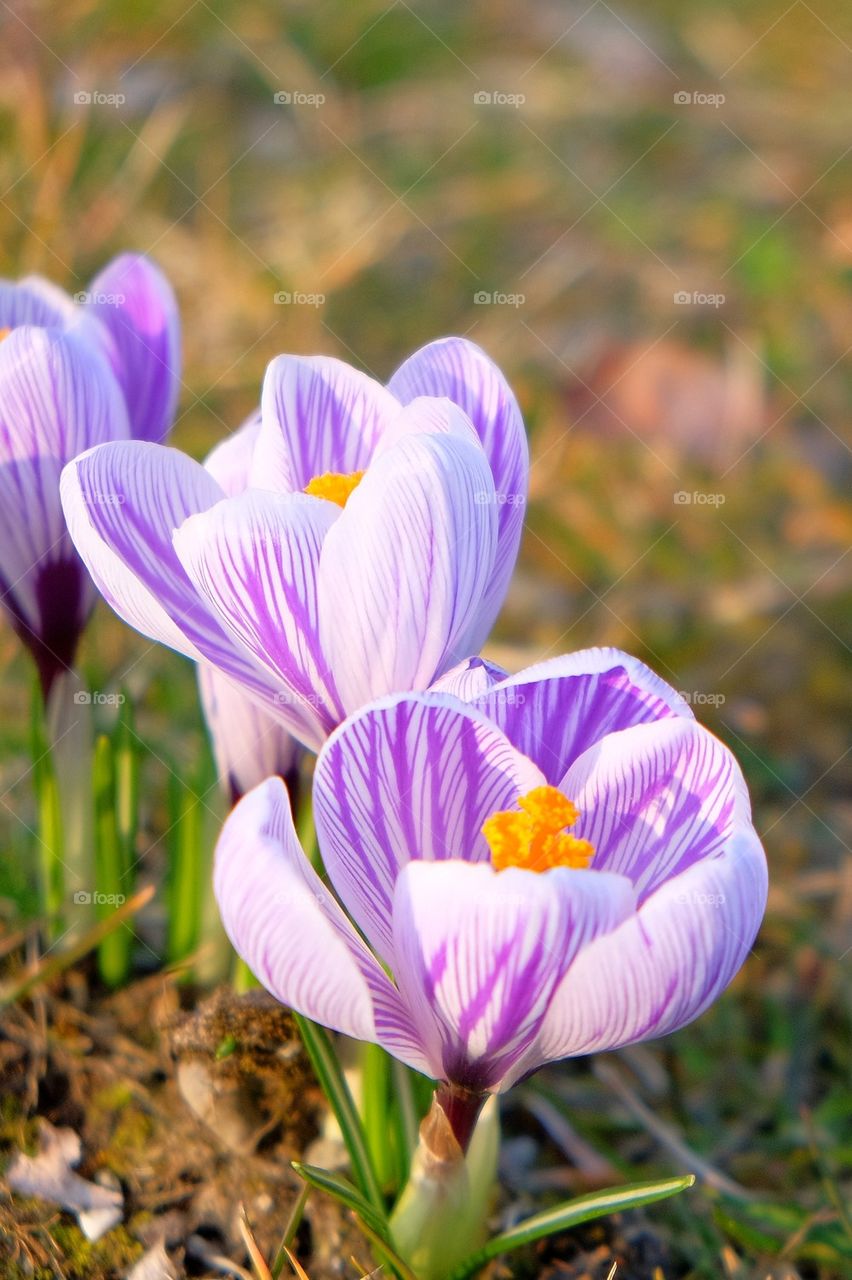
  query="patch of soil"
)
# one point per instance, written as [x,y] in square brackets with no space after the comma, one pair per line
[197,1113]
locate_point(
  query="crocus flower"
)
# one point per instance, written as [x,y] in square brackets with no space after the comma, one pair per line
[71,376]
[369,552]
[564,865]
[129,314]
[57,397]
[249,743]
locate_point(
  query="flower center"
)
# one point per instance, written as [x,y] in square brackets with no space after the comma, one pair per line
[534,837]
[334,486]
[4,333]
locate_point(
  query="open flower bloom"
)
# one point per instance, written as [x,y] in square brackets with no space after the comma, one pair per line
[369,553]
[57,397]
[72,375]
[129,315]
[249,743]
[565,865]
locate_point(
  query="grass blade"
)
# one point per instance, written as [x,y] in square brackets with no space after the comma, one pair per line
[343,1190]
[333,1083]
[50,967]
[571,1214]
[115,950]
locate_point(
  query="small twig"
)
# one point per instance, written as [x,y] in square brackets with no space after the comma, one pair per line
[666,1136]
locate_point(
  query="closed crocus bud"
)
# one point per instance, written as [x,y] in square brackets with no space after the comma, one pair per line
[74,372]
[57,398]
[129,316]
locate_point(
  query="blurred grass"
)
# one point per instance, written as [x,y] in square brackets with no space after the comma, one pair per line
[598,198]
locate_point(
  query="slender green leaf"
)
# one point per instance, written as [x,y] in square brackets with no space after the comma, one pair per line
[375,1109]
[571,1214]
[373,1225]
[343,1190]
[333,1083]
[405,1116]
[293,1224]
[114,952]
[49,819]
[186,889]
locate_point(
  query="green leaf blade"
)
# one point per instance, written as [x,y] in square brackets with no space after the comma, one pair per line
[572,1214]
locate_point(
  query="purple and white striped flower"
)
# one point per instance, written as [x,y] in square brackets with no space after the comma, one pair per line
[369,552]
[71,376]
[249,743]
[564,865]
[128,314]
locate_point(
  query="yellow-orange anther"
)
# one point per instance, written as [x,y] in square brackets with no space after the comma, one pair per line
[534,837]
[4,333]
[334,486]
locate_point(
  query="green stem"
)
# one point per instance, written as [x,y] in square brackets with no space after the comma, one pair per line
[332,1081]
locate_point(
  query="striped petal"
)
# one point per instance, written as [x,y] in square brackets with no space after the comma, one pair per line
[292,933]
[137,307]
[411,777]
[655,799]
[254,560]
[123,503]
[56,398]
[460,370]
[666,964]
[36,301]
[470,679]
[478,956]
[229,462]
[249,744]
[319,414]
[402,570]
[558,709]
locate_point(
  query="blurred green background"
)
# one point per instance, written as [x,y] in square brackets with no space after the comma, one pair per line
[643,212]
